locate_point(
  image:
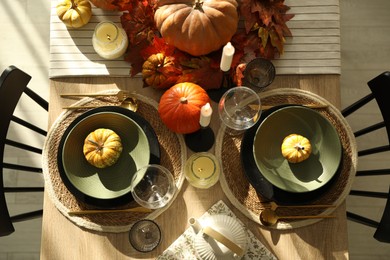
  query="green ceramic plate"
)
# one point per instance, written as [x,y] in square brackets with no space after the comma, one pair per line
[114,181]
[305,176]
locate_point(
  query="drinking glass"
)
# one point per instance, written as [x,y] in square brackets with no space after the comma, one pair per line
[239,109]
[145,235]
[153,186]
[259,73]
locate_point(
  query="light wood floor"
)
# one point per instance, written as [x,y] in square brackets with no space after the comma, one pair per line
[365,25]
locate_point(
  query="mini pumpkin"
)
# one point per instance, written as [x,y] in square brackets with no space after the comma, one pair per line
[153,70]
[296,148]
[74,13]
[197,27]
[180,106]
[102,147]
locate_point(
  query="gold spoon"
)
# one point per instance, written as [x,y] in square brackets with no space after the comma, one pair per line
[269,217]
[273,206]
[129,103]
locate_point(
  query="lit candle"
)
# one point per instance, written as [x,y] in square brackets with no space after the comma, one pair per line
[202,170]
[205,115]
[227,57]
[109,41]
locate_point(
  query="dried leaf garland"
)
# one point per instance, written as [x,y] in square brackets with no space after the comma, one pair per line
[263,35]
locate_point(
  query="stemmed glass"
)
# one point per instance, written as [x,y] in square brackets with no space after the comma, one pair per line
[153,186]
[239,109]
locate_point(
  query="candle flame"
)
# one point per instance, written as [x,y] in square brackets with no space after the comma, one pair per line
[108,37]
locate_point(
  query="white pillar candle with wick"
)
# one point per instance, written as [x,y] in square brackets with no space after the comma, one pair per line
[227,57]
[109,41]
[205,115]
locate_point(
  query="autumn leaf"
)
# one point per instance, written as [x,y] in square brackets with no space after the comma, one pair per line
[268,18]
[202,71]
[110,5]
[138,22]
[158,45]
[134,58]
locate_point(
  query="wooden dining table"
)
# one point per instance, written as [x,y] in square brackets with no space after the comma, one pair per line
[62,239]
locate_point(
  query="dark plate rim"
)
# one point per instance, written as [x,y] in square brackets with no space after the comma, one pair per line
[262,185]
[154,146]
[318,114]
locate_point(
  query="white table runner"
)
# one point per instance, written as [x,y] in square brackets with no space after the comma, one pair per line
[313,49]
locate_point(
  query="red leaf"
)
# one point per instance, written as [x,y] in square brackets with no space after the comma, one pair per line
[138,22]
[158,45]
[133,56]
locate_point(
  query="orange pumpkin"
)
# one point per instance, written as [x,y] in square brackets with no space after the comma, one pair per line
[180,106]
[197,26]
[153,71]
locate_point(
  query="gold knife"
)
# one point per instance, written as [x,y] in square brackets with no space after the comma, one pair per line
[314,106]
[99,211]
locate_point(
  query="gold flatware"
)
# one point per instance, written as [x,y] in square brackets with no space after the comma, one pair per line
[121,95]
[269,217]
[273,206]
[129,103]
[314,106]
[100,211]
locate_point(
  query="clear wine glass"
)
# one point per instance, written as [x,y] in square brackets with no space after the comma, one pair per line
[239,109]
[145,235]
[153,186]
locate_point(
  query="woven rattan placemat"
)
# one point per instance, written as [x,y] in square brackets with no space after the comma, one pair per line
[173,156]
[242,194]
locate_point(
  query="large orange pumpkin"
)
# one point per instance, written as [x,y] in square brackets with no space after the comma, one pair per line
[197,27]
[180,106]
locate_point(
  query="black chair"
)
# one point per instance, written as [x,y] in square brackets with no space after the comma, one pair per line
[13,84]
[380,92]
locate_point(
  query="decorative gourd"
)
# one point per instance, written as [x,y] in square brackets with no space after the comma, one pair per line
[74,13]
[197,26]
[153,70]
[180,106]
[102,148]
[296,148]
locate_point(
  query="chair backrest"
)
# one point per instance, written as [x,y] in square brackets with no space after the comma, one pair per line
[380,92]
[13,83]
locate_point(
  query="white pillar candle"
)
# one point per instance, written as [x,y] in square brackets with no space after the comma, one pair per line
[205,115]
[227,57]
[109,41]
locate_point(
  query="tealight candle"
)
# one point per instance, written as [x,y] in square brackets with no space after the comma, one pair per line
[205,115]
[109,41]
[202,170]
[227,57]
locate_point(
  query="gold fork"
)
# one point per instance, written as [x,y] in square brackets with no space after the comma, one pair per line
[121,95]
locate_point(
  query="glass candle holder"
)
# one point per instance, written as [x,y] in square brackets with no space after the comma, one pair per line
[202,170]
[259,73]
[109,41]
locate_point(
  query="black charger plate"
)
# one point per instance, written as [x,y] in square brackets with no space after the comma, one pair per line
[154,147]
[261,184]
